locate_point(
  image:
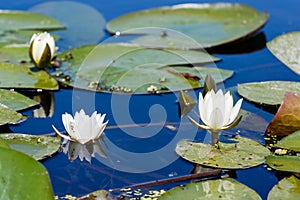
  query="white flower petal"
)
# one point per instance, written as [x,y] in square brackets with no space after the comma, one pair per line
[235,111]
[60,134]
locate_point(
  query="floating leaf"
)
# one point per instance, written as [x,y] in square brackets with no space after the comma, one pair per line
[8,116]
[15,100]
[128,68]
[287,49]
[20,174]
[290,142]
[208,24]
[235,153]
[15,76]
[284,163]
[3,144]
[287,118]
[36,146]
[287,188]
[186,103]
[268,92]
[14,53]
[212,189]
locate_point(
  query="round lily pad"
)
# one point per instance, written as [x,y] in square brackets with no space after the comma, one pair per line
[284,163]
[208,24]
[287,188]
[287,49]
[211,189]
[36,146]
[268,92]
[234,153]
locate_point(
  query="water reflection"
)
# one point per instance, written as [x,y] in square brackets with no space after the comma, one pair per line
[46,100]
[84,151]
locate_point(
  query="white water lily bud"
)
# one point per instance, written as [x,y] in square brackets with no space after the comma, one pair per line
[82,128]
[42,49]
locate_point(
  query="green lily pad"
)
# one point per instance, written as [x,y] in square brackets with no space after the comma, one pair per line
[290,142]
[3,144]
[236,153]
[287,49]
[14,53]
[284,163]
[15,76]
[128,68]
[212,189]
[287,118]
[208,24]
[36,146]
[15,100]
[268,92]
[20,174]
[8,116]
[287,188]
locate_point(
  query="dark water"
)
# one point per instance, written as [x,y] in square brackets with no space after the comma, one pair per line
[251,61]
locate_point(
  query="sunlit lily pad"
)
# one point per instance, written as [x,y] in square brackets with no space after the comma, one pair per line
[287,188]
[208,24]
[287,118]
[268,92]
[9,116]
[284,163]
[128,68]
[14,53]
[22,177]
[211,189]
[290,142]
[235,153]
[15,76]
[36,146]
[15,100]
[287,49]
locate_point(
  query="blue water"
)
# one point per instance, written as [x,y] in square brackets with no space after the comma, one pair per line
[79,178]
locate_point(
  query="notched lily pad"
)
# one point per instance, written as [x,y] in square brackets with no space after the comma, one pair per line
[9,116]
[287,188]
[15,76]
[234,153]
[212,189]
[208,24]
[284,163]
[36,146]
[268,92]
[287,49]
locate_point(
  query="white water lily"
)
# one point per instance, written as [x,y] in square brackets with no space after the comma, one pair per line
[217,111]
[82,128]
[42,49]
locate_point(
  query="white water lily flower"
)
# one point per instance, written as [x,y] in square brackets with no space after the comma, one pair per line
[42,49]
[82,128]
[217,111]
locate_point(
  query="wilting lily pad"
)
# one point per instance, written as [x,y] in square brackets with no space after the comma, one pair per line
[234,153]
[284,163]
[212,189]
[208,24]
[290,142]
[20,174]
[36,146]
[15,100]
[287,118]
[268,92]
[287,188]
[15,76]
[128,68]
[287,49]
[9,116]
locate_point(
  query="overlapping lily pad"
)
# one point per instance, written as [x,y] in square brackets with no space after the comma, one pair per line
[211,189]
[122,67]
[234,153]
[287,49]
[16,76]
[22,177]
[208,24]
[9,116]
[287,188]
[284,163]
[36,146]
[290,142]
[268,92]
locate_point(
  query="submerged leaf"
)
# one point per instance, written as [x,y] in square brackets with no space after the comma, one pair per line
[211,189]
[287,118]
[284,163]
[287,188]
[234,153]
[36,146]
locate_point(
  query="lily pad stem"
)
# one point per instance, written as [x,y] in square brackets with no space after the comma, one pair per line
[214,138]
